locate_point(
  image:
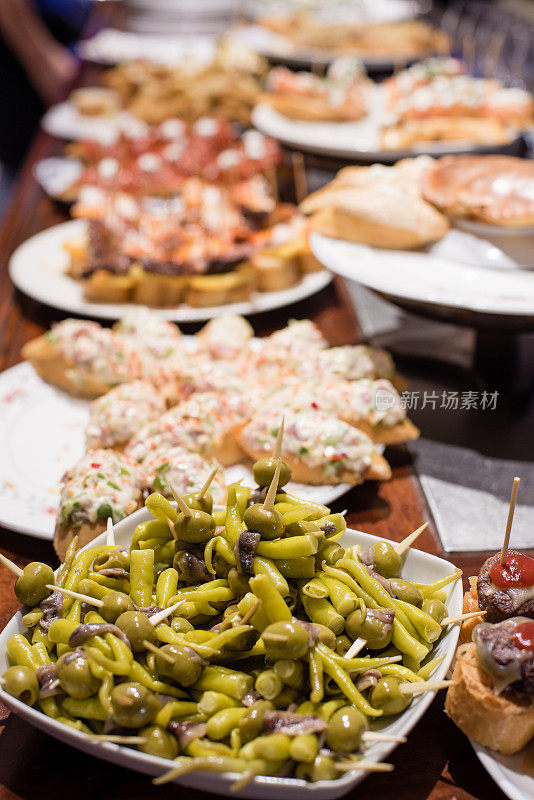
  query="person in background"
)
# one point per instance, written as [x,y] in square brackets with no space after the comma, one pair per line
[36,67]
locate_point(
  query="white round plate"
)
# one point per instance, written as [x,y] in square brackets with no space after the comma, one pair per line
[278,48]
[418,566]
[355,141]
[111,46]
[507,772]
[65,122]
[437,284]
[42,435]
[38,268]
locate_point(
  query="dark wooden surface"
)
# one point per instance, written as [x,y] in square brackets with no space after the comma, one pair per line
[437,763]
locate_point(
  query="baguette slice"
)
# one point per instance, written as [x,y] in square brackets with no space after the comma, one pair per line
[301,472]
[53,368]
[495,721]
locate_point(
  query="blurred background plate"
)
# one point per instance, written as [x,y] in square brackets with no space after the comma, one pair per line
[433,285]
[38,268]
[358,141]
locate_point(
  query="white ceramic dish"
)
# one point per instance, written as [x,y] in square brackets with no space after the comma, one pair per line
[419,566]
[64,121]
[507,772]
[42,435]
[438,285]
[280,49]
[111,46]
[355,141]
[38,268]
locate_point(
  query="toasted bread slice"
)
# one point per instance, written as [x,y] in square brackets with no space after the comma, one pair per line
[496,721]
[53,368]
[404,431]
[213,290]
[152,289]
[277,268]
[379,469]
[103,286]
[340,224]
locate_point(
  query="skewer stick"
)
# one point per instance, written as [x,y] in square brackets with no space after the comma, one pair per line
[513,498]
[277,452]
[368,766]
[208,482]
[272,177]
[152,647]
[250,613]
[244,780]
[268,503]
[85,598]
[401,547]
[371,736]
[16,570]
[110,537]
[115,738]
[155,619]
[184,508]
[344,512]
[274,637]
[299,176]
[424,686]
[356,646]
[170,523]
[462,617]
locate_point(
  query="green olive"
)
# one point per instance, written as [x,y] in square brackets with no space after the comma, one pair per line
[387,561]
[196,528]
[204,503]
[345,729]
[269,523]
[251,723]
[114,560]
[137,628]
[237,582]
[115,604]
[376,633]
[387,696]
[326,636]
[186,666]
[342,644]
[31,587]
[323,768]
[264,470]
[404,590]
[133,705]
[75,675]
[436,609]
[22,683]
[295,644]
[159,742]
[181,625]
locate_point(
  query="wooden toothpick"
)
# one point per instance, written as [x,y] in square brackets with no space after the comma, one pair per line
[406,543]
[155,619]
[16,570]
[273,488]
[462,617]
[277,452]
[424,686]
[184,508]
[110,537]
[513,498]
[208,482]
[85,598]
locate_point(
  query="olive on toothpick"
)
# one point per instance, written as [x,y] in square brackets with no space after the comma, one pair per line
[263,518]
[264,469]
[192,525]
[202,500]
[31,586]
